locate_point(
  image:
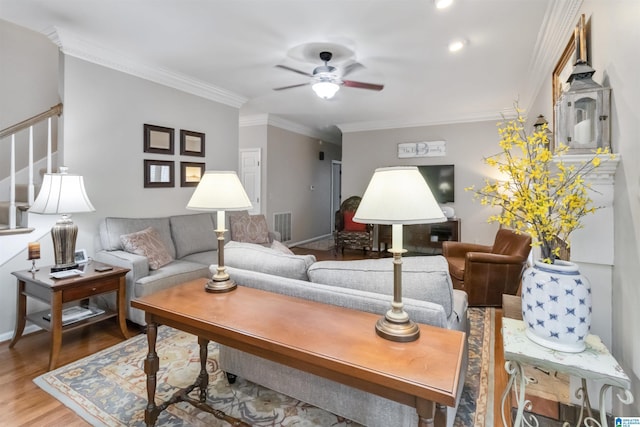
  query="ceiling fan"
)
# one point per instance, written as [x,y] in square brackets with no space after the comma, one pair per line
[325,80]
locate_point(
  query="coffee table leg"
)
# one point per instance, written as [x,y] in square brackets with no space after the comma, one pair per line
[151,366]
[203,378]
[427,414]
[21,313]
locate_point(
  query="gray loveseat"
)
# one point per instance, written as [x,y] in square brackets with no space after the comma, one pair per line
[189,239]
[366,285]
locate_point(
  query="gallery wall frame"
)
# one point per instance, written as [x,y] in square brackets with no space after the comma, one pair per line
[159,173]
[192,143]
[158,139]
[191,173]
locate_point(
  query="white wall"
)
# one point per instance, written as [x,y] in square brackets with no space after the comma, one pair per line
[293,167]
[614,35]
[104,113]
[28,86]
[466,146]
[615,32]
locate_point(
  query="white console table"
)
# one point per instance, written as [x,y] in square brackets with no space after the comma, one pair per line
[594,363]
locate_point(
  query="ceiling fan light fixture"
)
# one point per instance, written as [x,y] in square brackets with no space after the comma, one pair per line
[457,45]
[325,89]
[442,4]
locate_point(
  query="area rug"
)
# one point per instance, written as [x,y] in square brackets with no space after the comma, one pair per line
[109,388]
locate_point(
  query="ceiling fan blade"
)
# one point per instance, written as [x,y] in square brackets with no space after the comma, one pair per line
[294,70]
[351,68]
[289,87]
[362,85]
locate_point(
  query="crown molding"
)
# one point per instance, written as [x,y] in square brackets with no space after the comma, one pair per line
[279,122]
[396,124]
[73,45]
[557,26]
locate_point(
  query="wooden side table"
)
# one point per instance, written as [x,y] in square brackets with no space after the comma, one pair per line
[594,363]
[57,292]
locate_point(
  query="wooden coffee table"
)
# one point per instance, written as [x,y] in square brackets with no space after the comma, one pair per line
[331,342]
[57,292]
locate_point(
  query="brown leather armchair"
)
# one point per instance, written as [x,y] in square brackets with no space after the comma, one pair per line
[485,273]
[349,234]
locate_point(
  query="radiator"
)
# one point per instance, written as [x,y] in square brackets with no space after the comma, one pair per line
[282,224]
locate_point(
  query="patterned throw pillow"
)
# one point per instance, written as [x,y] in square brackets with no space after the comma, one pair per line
[249,229]
[148,244]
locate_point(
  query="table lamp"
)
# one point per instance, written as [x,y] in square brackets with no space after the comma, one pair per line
[397,196]
[220,191]
[62,193]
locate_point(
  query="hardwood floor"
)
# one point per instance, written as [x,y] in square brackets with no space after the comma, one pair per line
[25,404]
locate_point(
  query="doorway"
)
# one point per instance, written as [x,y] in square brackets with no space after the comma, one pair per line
[336,190]
[250,173]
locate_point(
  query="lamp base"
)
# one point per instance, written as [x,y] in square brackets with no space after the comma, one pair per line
[405,331]
[219,287]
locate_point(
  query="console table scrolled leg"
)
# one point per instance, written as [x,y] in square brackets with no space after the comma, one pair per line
[518,381]
[56,329]
[151,366]
[203,378]
[21,314]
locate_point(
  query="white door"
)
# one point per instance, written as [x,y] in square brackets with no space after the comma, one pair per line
[250,170]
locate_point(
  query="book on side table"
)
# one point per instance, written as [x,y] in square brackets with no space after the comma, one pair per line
[76,313]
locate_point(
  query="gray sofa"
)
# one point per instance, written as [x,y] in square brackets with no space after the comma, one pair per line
[363,285]
[189,239]
[366,285]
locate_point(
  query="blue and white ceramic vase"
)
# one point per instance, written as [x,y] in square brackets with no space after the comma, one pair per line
[556,305]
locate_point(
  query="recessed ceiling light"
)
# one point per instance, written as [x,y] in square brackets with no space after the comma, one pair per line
[441,4]
[457,45]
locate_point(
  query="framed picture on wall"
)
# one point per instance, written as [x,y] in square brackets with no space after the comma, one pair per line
[190,173]
[576,49]
[159,174]
[158,139]
[191,143]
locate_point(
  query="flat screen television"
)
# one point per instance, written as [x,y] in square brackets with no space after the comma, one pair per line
[440,179]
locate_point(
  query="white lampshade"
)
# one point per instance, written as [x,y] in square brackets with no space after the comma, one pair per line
[62,193]
[325,89]
[398,195]
[219,191]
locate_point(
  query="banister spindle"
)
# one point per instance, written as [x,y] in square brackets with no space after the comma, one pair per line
[30,188]
[12,184]
[49,145]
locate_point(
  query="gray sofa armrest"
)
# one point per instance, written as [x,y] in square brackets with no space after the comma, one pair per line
[138,264]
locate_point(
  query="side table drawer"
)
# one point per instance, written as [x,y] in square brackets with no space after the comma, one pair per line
[87,290]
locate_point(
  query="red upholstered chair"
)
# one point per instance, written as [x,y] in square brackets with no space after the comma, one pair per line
[485,273]
[350,234]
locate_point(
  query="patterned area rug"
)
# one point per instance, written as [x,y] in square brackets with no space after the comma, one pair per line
[109,388]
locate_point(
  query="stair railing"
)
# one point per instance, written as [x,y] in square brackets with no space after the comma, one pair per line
[11,131]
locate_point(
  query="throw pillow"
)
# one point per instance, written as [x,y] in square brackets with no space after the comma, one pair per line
[350,225]
[148,244]
[278,246]
[249,229]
